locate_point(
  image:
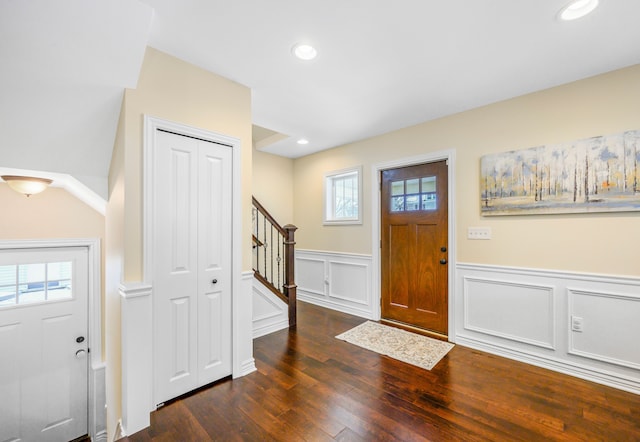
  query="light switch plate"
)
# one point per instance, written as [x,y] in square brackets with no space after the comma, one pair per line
[479,233]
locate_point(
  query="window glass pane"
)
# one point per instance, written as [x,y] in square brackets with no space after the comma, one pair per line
[345,196]
[413,202]
[397,203]
[59,290]
[413,186]
[28,293]
[343,204]
[35,283]
[58,270]
[7,275]
[397,188]
[31,273]
[428,184]
[7,295]
[429,201]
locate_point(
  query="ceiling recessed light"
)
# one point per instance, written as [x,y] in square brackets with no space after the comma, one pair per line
[303,141]
[577,9]
[304,51]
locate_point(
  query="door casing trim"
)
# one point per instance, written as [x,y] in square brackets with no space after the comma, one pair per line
[96,392]
[151,127]
[449,155]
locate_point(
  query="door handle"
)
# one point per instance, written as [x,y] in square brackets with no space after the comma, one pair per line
[80,354]
[215,281]
[443,261]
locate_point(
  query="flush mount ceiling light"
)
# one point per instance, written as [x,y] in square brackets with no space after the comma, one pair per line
[577,9]
[26,185]
[303,141]
[304,51]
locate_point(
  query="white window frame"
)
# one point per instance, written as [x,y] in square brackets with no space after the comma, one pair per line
[328,212]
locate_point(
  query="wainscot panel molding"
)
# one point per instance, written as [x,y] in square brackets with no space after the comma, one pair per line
[580,324]
[336,280]
[242,338]
[270,313]
[137,328]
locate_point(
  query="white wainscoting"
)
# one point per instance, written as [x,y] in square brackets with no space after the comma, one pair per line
[339,281]
[137,359]
[270,313]
[531,315]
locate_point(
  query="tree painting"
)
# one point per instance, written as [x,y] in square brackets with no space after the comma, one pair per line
[599,174]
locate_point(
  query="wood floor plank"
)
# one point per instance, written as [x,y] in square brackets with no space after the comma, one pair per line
[310,386]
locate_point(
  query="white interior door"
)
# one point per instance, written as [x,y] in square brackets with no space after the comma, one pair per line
[43,342]
[192,264]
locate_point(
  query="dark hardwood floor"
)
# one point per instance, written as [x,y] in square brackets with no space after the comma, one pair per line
[311,386]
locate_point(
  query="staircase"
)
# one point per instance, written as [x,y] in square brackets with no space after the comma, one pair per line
[274,256]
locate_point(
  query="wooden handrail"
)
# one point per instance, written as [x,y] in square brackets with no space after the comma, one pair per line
[270,240]
[267,215]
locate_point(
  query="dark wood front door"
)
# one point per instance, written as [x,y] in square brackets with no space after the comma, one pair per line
[414,220]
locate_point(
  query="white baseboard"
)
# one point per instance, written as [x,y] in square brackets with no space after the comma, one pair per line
[340,307]
[120,433]
[600,376]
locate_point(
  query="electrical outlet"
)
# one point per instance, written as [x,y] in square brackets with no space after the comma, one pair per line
[577,324]
[479,233]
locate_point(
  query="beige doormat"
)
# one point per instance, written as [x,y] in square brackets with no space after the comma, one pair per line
[398,344]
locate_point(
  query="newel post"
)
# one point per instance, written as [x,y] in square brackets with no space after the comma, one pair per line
[290,287]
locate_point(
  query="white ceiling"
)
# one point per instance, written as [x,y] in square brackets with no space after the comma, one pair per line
[381,66]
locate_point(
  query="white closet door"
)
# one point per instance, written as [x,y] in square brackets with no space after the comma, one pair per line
[192,315]
[214,262]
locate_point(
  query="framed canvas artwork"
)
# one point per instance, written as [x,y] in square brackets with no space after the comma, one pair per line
[599,174]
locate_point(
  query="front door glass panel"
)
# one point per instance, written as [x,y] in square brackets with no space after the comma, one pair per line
[414,194]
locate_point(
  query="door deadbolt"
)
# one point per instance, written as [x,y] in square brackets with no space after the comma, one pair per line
[215,281]
[80,339]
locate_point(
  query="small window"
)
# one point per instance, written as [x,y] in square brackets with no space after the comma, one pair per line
[35,283]
[342,196]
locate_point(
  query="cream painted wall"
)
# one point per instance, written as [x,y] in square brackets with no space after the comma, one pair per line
[596,243]
[173,90]
[53,213]
[273,185]
[113,276]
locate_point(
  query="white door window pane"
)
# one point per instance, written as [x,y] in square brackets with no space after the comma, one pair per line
[35,283]
[31,273]
[58,270]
